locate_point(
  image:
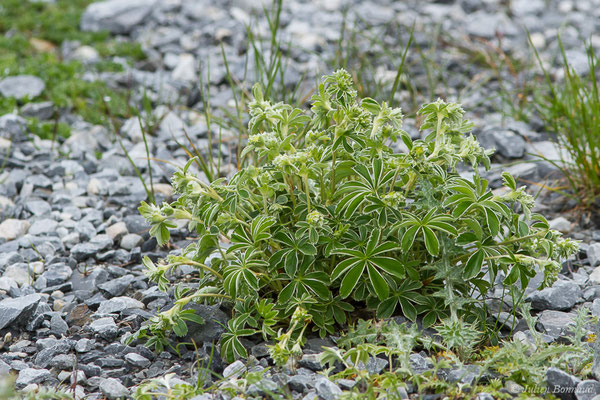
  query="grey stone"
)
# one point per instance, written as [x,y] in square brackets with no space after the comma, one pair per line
[4,368]
[345,384]
[561,384]
[486,25]
[116,16]
[301,383]
[58,325]
[507,143]
[113,389]
[593,254]
[465,375]
[527,7]
[105,328]
[116,287]
[42,110]
[97,244]
[185,70]
[419,364]
[326,389]
[119,304]
[131,241]
[562,296]
[18,310]
[234,370]
[137,360]
[310,361]
[263,389]
[13,127]
[213,327]
[31,375]
[21,86]
[587,390]
[38,207]
[63,361]
[43,227]
[57,274]
[84,345]
[555,323]
[131,128]
[117,231]
[203,396]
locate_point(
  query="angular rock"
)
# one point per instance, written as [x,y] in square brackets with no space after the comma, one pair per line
[137,360]
[562,296]
[555,323]
[185,70]
[113,389]
[116,287]
[326,389]
[18,309]
[116,16]
[58,326]
[43,227]
[211,330]
[119,304]
[506,142]
[234,370]
[22,86]
[31,375]
[84,345]
[561,384]
[587,390]
[301,383]
[131,241]
[42,110]
[38,208]
[263,389]
[105,328]
[83,251]
[593,254]
[13,127]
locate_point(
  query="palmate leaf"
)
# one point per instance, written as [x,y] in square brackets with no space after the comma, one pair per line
[303,282]
[231,346]
[371,258]
[240,275]
[406,296]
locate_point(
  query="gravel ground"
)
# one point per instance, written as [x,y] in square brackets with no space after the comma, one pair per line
[71,240]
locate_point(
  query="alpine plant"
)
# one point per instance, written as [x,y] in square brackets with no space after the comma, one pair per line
[325,221]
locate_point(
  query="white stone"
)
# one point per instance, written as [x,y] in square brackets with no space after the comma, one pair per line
[185,70]
[560,224]
[22,86]
[538,40]
[85,54]
[11,229]
[117,231]
[18,273]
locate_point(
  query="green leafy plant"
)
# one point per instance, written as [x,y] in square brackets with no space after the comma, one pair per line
[326,219]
